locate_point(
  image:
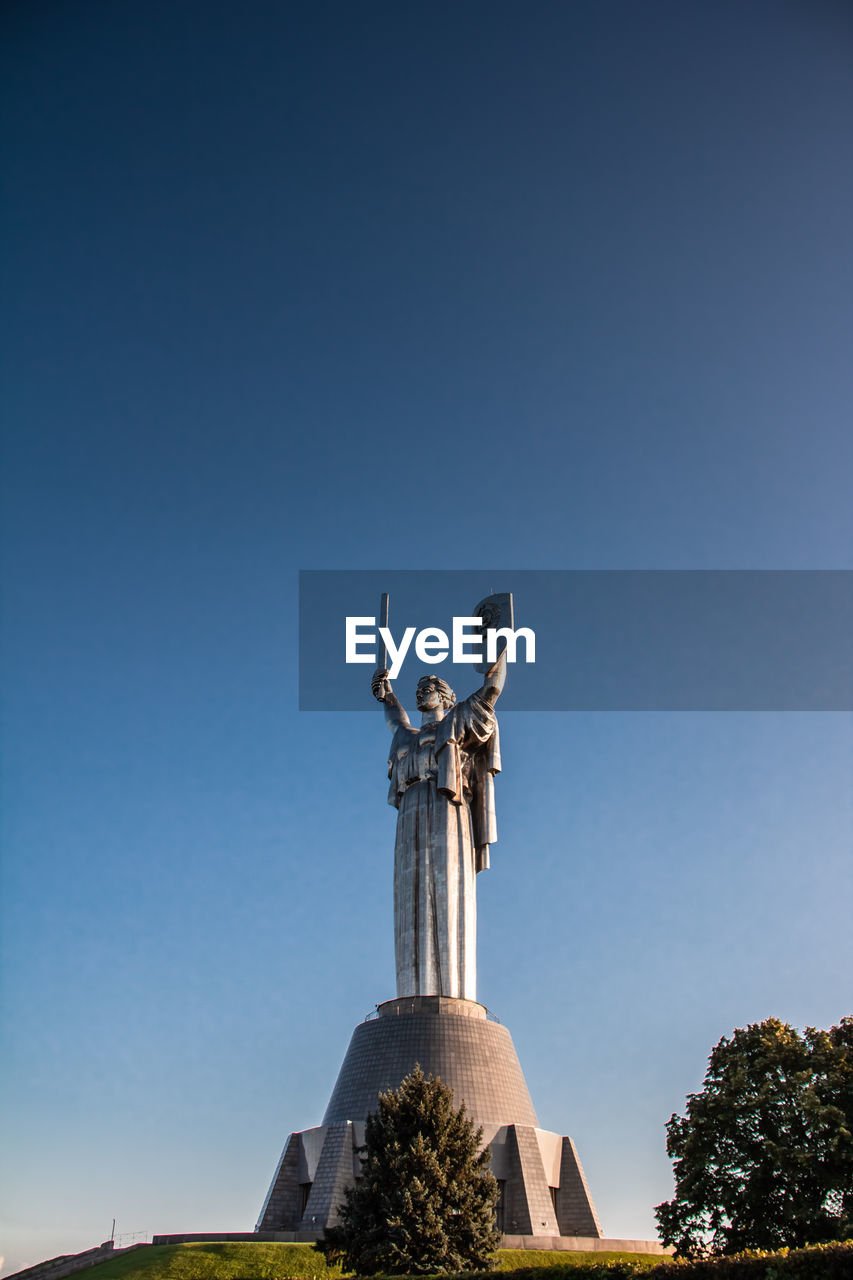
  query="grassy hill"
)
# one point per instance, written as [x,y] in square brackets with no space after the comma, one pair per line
[248,1260]
[228,1260]
[254,1260]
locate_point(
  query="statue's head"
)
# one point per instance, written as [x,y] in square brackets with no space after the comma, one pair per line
[434,692]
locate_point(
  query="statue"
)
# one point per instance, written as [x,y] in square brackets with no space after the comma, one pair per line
[442,785]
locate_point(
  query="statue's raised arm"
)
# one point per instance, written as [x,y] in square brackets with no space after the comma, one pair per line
[494,682]
[395,712]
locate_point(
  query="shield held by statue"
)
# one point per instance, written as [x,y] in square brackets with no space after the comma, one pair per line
[496,612]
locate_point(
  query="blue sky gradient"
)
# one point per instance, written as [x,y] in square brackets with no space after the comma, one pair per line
[417,287]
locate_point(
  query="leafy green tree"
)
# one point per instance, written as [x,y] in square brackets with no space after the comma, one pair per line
[764,1156]
[425,1201]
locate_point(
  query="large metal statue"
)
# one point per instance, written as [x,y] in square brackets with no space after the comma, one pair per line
[442,785]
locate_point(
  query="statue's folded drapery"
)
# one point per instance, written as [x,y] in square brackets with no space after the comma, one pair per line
[442,784]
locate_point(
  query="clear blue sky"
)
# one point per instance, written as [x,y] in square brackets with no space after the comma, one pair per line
[550,285]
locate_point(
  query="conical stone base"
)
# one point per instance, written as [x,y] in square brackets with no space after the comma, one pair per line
[543,1188]
[452,1039]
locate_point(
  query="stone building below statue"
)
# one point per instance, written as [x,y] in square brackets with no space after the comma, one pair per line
[543,1189]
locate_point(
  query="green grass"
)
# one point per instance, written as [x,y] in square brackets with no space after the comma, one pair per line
[256,1260]
[220,1260]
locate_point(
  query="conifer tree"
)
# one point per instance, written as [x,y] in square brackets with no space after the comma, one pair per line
[425,1201]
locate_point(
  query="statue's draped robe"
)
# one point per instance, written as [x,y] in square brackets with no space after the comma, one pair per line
[442,784]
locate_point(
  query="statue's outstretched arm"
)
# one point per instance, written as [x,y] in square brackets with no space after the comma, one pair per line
[494,681]
[395,714]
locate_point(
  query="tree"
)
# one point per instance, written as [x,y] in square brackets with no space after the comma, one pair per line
[764,1156]
[425,1201]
